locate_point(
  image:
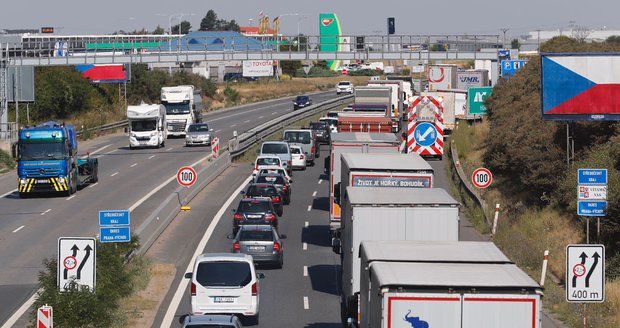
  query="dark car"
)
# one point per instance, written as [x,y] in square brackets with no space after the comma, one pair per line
[254,211]
[237,77]
[279,181]
[268,190]
[262,242]
[322,131]
[301,102]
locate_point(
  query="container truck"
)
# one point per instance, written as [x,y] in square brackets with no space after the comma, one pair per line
[181,108]
[471,79]
[48,160]
[421,214]
[441,77]
[398,96]
[455,295]
[373,95]
[147,125]
[353,142]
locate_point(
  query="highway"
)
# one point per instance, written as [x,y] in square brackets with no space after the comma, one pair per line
[29,228]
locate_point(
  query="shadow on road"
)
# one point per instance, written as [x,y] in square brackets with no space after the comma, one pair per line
[324,278]
[324,325]
[321,203]
[316,235]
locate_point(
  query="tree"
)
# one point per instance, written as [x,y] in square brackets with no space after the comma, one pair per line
[158,30]
[185,27]
[209,22]
[515,44]
[613,39]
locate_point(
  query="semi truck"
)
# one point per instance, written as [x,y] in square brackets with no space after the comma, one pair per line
[353,142]
[398,96]
[182,108]
[48,160]
[147,125]
[472,78]
[441,77]
[382,213]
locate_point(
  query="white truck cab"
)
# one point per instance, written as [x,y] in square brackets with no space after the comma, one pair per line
[147,125]
[180,108]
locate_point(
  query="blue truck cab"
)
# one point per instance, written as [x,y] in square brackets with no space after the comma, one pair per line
[48,162]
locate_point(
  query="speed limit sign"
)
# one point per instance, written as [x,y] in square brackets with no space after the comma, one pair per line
[482,178]
[186,176]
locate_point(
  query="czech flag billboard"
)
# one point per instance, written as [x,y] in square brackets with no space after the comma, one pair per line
[103,73]
[580,87]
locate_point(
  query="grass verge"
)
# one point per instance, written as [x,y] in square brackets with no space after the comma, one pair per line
[7,163]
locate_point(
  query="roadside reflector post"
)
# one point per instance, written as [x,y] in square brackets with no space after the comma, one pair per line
[543,274]
[494,229]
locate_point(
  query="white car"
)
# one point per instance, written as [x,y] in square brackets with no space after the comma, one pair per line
[275,169]
[299,160]
[266,160]
[344,87]
[332,121]
[223,283]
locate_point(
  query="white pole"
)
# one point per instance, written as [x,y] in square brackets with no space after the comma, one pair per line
[494,230]
[543,274]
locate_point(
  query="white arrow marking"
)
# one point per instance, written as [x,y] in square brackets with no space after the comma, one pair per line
[426,133]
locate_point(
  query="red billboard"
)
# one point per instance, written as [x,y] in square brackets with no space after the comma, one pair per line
[104,73]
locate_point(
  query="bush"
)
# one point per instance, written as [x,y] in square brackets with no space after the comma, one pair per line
[231,95]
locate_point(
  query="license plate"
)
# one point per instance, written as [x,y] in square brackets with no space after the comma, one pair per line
[42,181]
[256,248]
[254,216]
[219,299]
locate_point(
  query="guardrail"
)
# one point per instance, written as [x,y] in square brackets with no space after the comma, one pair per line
[238,146]
[105,127]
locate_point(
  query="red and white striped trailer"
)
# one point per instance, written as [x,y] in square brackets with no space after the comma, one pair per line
[425,128]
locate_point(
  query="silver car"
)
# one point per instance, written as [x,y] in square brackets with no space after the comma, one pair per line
[280,149]
[198,134]
[262,242]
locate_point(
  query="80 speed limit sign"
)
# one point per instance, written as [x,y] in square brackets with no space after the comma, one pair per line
[186,176]
[482,178]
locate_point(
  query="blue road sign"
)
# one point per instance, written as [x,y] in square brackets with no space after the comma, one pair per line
[425,134]
[591,207]
[511,67]
[113,218]
[114,234]
[592,176]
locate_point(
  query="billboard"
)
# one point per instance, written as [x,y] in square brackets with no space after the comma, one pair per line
[20,84]
[104,73]
[330,32]
[580,86]
[256,68]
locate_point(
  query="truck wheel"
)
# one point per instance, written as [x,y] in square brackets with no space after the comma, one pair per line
[23,195]
[163,144]
[96,175]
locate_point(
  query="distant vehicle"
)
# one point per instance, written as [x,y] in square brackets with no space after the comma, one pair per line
[279,181]
[275,169]
[321,130]
[182,108]
[198,134]
[344,87]
[333,113]
[212,320]
[262,242]
[333,123]
[254,211]
[298,158]
[147,126]
[225,284]
[301,102]
[305,140]
[266,190]
[238,77]
[280,149]
[266,160]
[47,160]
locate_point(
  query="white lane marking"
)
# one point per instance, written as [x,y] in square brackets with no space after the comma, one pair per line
[134,164]
[92,185]
[100,149]
[169,149]
[314,194]
[180,292]
[217,131]
[152,156]
[305,246]
[320,180]
[71,197]
[232,126]
[306,224]
[305,271]
[46,211]
[113,174]
[8,193]
[246,121]
[306,303]
[262,116]
[274,113]
[18,229]
[22,309]
[244,112]
[309,208]
[110,152]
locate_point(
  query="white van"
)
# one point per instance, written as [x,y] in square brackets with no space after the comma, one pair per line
[225,283]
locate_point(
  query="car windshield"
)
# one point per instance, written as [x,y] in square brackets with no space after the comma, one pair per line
[143,126]
[295,150]
[42,151]
[262,191]
[253,207]
[301,99]
[318,125]
[344,83]
[268,161]
[177,108]
[276,179]
[198,128]
[224,274]
[267,171]
[303,137]
[255,235]
[274,148]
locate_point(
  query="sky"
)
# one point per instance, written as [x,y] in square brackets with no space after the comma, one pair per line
[356,17]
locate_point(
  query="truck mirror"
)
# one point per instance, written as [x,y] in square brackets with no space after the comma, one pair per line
[337,193]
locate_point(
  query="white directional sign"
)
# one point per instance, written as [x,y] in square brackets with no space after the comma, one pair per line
[585,192]
[585,273]
[76,261]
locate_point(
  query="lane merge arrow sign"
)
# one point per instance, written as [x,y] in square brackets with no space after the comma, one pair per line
[76,262]
[585,273]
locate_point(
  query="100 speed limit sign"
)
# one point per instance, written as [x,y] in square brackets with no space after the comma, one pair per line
[482,178]
[186,176]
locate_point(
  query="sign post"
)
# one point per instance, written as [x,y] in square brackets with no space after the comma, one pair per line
[114,226]
[76,262]
[592,197]
[45,317]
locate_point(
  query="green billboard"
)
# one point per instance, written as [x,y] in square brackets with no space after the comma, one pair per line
[476,98]
[330,32]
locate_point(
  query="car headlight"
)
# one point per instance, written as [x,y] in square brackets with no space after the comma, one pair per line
[61,180]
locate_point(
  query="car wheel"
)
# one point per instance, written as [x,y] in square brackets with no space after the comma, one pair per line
[253,320]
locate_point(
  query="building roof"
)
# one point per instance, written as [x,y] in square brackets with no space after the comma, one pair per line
[364,137]
[253,30]
[452,275]
[435,251]
[386,162]
[399,196]
[216,41]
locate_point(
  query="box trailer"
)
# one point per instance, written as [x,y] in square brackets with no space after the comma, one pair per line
[472,79]
[421,214]
[373,95]
[441,77]
[455,295]
[353,142]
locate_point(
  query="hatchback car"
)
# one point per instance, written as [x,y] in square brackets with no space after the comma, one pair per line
[224,284]
[198,134]
[280,149]
[301,102]
[322,131]
[266,160]
[254,211]
[266,190]
[299,160]
[278,181]
[262,242]
[212,321]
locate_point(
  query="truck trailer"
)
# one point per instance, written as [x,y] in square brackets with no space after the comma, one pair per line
[419,214]
[147,125]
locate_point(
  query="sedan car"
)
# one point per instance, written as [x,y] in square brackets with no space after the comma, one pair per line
[278,181]
[344,87]
[301,102]
[266,190]
[254,211]
[198,134]
[299,160]
[262,242]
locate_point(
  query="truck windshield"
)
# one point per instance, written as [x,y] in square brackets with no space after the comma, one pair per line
[142,126]
[177,108]
[42,151]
